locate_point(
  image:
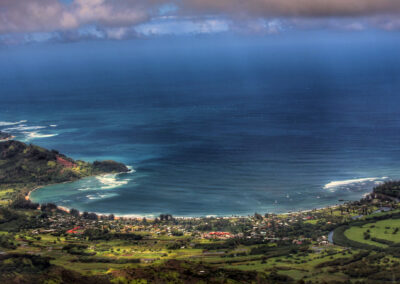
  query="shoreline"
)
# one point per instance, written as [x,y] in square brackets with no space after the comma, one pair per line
[313,206]
[133,216]
[141,217]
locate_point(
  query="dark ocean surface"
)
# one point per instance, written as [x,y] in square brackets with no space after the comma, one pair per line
[211,126]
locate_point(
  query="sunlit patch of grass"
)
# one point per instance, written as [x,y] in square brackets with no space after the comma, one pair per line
[384,230]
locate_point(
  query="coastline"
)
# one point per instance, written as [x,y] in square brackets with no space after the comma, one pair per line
[151,217]
[67,209]
[154,216]
[304,208]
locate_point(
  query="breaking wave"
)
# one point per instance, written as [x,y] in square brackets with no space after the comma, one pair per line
[26,132]
[111,181]
[7,123]
[23,127]
[36,135]
[100,196]
[333,185]
[131,170]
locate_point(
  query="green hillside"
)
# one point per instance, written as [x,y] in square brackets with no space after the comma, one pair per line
[22,163]
[51,245]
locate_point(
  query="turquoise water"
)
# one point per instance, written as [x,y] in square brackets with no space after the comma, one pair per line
[211,128]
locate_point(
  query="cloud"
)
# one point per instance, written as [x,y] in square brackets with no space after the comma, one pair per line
[386,23]
[16,15]
[118,19]
[183,26]
[294,8]
[50,15]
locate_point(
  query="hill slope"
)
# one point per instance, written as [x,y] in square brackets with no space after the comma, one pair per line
[22,164]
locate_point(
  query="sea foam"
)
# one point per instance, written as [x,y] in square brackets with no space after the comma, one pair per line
[19,128]
[36,135]
[7,123]
[342,183]
[23,127]
[85,188]
[100,196]
[110,181]
[131,170]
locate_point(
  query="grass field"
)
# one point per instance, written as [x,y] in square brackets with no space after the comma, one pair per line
[297,266]
[384,230]
[5,196]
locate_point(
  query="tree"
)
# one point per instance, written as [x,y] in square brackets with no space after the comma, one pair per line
[48,207]
[74,212]
[258,216]
[22,203]
[166,217]
[92,216]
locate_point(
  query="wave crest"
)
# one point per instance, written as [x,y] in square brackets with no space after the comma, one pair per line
[342,183]
[36,135]
[100,196]
[110,181]
[8,123]
[23,127]
[19,128]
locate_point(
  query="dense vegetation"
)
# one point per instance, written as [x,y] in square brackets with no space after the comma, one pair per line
[390,188]
[24,164]
[40,243]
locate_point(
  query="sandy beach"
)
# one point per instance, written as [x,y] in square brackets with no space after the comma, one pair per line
[141,217]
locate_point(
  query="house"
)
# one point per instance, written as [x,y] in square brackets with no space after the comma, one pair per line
[218,235]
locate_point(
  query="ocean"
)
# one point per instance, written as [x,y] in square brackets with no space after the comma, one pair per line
[221,127]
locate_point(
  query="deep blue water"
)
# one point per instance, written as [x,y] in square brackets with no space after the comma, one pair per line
[211,126]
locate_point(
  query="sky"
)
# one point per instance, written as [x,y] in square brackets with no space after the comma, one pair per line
[25,21]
